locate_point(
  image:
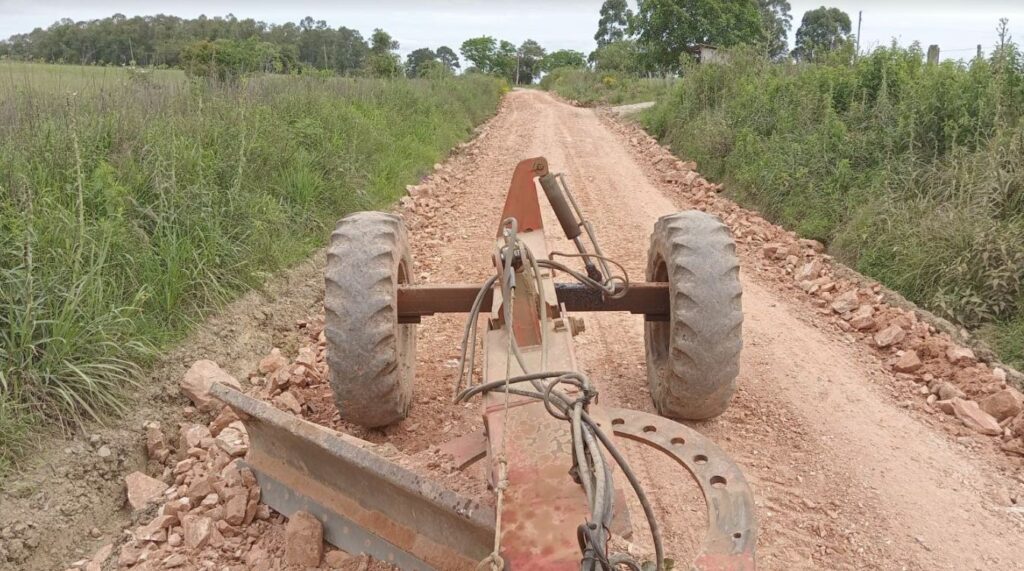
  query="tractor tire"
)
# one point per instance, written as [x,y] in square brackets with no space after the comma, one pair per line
[693,359]
[370,356]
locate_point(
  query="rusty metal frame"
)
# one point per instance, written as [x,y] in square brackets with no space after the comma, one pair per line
[367,503]
[416,301]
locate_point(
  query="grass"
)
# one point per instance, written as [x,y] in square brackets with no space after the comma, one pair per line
[604,88]
[131,205]
[912,173]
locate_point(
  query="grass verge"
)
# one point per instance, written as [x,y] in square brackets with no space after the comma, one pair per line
[913,173]
[130,208]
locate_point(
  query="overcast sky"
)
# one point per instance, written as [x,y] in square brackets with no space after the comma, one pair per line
[957,26]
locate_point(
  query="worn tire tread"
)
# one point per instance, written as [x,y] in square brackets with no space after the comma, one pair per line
[370,371]
[694,378]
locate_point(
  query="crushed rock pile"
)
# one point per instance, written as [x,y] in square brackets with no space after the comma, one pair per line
[952,379]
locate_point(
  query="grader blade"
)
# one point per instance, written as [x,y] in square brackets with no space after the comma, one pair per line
[367,503]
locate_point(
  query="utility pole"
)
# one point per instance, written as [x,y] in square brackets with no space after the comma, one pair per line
[518,58]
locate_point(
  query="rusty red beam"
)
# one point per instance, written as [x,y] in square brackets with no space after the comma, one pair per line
[416,301]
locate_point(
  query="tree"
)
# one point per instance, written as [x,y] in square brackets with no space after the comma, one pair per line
[822,30]
[481,52]
[448,57]
[563,58]
[383,62]
[504,62]
[614,22]
[776,21]
[621,56]
[381,42]
[667,28]
[417,62]
[530,55]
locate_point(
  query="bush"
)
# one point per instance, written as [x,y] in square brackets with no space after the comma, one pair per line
[914,173]
[605,87]
[127,212]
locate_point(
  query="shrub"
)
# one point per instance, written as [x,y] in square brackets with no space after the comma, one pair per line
[914,173]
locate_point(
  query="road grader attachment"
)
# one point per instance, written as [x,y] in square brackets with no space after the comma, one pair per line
[558,476]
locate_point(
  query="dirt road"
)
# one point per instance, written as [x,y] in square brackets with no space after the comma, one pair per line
[846,477]
[850,468]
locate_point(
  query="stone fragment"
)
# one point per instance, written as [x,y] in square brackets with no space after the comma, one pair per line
[156,530]
[233,440]
[192,436]
[908,362]
[143,489]
[959,355]
[945,406]
[1003,404]
[156,446]
[974,418]
[197,530]
[306,358]
[174,561]
[226,417]
[304,540]
[999,375]
[336,559]
[272,362]
[234,509]
[814,245]
[197,382]
[286,401]
[809,271]
[890,336]
[846,302]
[946,390]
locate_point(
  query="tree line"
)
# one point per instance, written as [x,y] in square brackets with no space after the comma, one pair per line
[657,38]
[663,34]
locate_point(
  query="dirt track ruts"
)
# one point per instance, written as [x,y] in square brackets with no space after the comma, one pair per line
[845,477]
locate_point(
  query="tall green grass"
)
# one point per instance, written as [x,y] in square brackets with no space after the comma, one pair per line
[914,174]
[129,208]
[605,87]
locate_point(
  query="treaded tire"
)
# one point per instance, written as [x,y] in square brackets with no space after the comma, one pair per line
[370,356]
[693,359]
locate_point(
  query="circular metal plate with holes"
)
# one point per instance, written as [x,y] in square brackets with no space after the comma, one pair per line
[732,526]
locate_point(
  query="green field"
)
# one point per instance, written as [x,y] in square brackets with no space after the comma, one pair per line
[132,203]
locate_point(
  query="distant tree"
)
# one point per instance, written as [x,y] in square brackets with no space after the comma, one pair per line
[381,42]
[481,52]
[530,56]
[448,57]
[776,21]
[667,28]
[383,62]
[225,59]
[349,51]
[417,62]
[563,58]
[822,31]
[614,22]
[622,56]
[504,64]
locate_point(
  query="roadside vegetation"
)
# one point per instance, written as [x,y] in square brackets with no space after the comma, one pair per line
[133,203]
[587,87]
[913,173]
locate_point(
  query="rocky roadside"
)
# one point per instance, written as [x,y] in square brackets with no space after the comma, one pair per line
[980,394]
[195,507]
